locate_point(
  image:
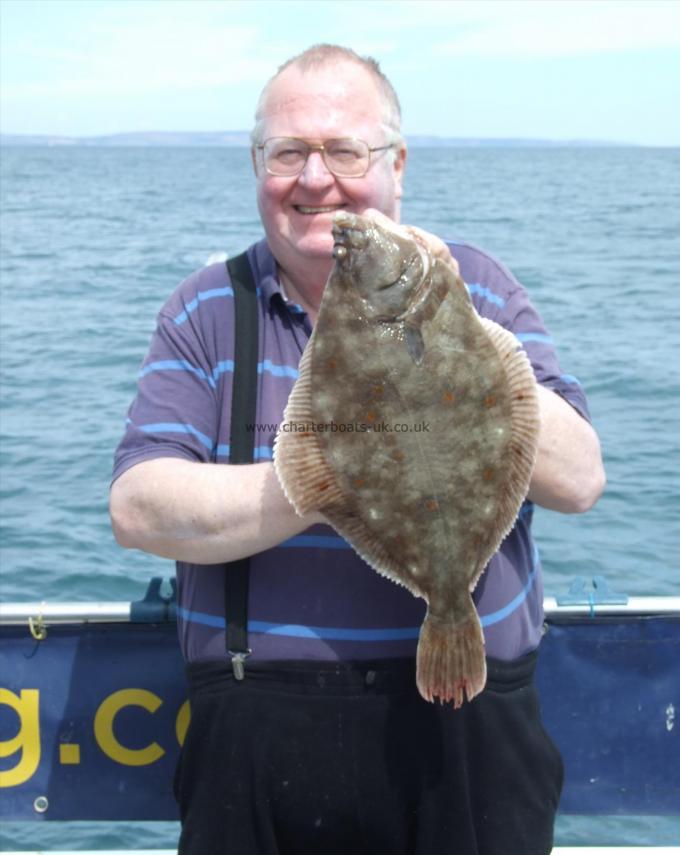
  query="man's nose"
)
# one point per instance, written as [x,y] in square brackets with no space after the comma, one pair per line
[315,172]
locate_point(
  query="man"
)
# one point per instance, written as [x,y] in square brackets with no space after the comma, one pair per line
[325,746]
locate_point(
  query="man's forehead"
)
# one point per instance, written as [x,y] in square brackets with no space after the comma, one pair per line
[331,86]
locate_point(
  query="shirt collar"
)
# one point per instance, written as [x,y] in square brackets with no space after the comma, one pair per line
[268,280]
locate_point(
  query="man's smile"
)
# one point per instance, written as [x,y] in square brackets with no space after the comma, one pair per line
[317,209]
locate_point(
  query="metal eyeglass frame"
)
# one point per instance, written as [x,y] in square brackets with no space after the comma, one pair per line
[321,148]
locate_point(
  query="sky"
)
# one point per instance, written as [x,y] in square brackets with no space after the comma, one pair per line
[551,69]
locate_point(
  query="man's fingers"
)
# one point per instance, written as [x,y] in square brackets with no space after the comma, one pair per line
[437,247]
[384,221]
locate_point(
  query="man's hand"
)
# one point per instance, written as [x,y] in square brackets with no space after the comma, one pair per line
[438,249]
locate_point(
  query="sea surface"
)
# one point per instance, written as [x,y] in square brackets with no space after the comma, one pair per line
[95,239]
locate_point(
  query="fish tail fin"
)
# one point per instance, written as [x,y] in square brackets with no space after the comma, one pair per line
[450,659]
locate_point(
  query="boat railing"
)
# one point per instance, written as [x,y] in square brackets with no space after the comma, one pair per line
[99,696]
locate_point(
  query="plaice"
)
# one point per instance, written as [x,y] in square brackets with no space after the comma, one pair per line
[436,422]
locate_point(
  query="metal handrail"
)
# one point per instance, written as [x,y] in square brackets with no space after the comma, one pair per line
[634,607]
[50,614]
[12,614]
[558,850]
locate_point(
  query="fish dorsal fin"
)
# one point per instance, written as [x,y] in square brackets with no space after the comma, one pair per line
[525,419]
[306,478]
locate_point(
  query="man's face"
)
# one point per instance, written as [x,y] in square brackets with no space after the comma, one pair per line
[335,101]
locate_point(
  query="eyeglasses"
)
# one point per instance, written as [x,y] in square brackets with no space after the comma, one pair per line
[345,158]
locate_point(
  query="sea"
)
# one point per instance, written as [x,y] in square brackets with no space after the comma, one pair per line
[94,240]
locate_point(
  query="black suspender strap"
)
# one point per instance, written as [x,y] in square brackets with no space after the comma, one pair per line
[241,444]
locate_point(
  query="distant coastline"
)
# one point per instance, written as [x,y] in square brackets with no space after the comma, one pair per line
[211,139]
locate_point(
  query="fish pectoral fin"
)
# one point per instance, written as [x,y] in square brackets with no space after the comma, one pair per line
[414,343]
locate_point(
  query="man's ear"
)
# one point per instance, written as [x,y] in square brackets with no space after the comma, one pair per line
[399,166]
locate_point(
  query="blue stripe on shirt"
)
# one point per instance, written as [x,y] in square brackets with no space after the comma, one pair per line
[515,602]
[268,366]
[277,370]
[487,293]
[570,379]
[176,365]
[300,631]
[224,367]
[201,297]
[333,633]
[348,634]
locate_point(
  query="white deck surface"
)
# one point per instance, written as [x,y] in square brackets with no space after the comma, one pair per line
[559,850]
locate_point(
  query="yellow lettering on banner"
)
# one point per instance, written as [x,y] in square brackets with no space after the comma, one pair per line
[103,727]
[26,705]
[182,722]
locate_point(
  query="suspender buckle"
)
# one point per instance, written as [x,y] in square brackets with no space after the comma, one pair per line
[238,660]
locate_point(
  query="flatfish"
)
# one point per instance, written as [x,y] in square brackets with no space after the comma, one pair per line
[412,427]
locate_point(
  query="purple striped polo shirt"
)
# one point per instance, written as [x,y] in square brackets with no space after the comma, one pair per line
[312,597]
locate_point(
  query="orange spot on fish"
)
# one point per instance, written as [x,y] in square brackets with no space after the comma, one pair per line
[488,474]
[489,401]
[432,505]
[398,455]
[449,397]
[332,364]
[323,486]
[520,397]
[377,391]
[370,417]
[359,482]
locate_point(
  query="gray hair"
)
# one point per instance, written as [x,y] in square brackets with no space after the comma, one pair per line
[326,54]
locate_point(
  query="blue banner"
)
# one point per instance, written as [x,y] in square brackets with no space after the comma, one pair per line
[92,718]
[610,692]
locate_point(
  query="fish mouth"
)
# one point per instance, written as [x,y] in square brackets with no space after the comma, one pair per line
[349,232]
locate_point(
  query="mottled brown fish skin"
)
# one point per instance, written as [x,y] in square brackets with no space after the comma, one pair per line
[398,343]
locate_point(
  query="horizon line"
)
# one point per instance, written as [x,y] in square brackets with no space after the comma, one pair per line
[238,138]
